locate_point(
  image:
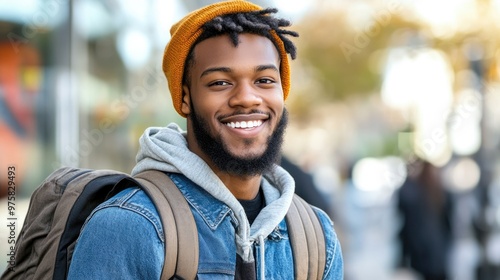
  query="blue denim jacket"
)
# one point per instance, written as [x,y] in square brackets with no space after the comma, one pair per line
[123,239]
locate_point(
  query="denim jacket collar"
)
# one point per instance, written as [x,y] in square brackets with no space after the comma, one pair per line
[212,210]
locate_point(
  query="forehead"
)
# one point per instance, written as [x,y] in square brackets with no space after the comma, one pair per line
[220,51]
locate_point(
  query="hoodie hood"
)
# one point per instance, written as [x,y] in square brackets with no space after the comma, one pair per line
[166,149]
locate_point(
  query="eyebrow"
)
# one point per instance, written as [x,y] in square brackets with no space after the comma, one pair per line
[266,67]
[215,69]
[228,70]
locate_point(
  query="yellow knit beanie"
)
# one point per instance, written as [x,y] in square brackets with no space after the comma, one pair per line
[187,30]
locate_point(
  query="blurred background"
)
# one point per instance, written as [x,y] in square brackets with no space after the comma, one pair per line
[392,110]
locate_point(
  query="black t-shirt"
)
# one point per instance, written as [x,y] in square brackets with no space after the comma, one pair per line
[246,271]
[252,207]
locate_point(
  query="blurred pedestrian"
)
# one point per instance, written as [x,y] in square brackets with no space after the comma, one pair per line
[305,186]
[425,235]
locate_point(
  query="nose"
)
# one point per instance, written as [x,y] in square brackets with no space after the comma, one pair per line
[245,95]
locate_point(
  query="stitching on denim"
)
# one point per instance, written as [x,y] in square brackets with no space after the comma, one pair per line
[122,202]
[205,215]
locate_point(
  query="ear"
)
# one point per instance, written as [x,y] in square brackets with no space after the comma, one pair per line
[186,100]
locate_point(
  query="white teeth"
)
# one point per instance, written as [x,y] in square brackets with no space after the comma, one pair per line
[249,124]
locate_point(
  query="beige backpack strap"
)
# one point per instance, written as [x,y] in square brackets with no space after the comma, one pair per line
[181,237]
[297,236]
[304,225]
[320,244]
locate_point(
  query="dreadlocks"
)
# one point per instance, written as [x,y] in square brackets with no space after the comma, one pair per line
[257,22]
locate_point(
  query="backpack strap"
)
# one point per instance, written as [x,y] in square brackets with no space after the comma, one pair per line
[303,224]
[181,236]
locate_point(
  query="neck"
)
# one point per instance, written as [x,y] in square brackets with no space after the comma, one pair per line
[243,188]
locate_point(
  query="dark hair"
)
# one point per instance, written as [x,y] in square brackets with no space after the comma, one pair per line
[257,22]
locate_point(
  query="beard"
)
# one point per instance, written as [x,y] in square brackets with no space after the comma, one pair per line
[224,160]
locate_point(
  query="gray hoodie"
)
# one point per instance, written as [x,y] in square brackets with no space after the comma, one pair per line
[166,149]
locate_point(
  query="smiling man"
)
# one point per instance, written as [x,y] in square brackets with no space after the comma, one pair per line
[228,74]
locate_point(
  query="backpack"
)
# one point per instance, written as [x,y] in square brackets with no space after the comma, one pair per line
[61,204]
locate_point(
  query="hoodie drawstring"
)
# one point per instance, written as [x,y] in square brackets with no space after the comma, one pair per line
[262,258]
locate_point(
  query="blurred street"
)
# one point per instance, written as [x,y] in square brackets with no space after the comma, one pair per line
[394,125]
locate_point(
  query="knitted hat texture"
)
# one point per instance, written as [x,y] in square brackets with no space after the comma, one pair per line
[185,32]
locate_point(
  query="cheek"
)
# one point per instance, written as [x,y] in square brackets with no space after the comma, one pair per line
[276,98]
[205,111]
[276,103]
[208,104]
[204,108]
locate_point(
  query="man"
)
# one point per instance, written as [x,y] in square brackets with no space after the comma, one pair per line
[228,74]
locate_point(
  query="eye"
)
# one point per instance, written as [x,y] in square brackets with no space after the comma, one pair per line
[265,81]
[218,83]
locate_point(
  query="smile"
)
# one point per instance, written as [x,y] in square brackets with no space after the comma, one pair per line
[245,124]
